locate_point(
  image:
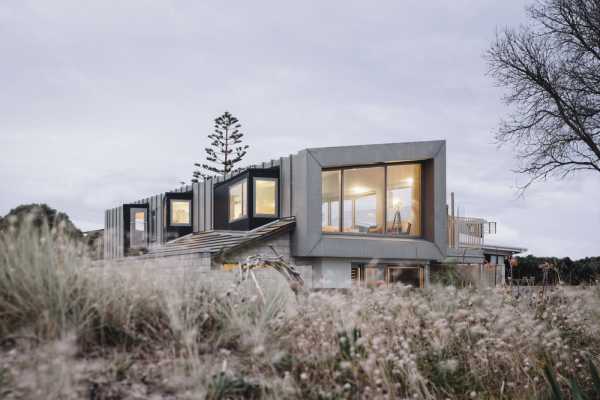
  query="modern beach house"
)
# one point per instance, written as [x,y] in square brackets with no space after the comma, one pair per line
[354,214]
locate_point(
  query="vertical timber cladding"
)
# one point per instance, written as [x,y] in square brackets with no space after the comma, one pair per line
[202,206]
[285,186]
[111,233]
[195,207]
[105,235]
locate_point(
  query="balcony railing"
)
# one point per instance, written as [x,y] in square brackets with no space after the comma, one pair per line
[468,232]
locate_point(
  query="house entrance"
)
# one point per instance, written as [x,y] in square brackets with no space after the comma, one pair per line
[386,275]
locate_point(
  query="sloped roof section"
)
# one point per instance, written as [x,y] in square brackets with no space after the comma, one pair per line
[218,241]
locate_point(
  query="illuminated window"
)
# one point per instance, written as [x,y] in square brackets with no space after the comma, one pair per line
[330,200]
[137,228]
[363,200]
[372,200]
[181,214]
[237,201]
[404,199]
[265,197]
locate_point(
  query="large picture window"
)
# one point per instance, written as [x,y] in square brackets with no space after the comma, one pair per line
[238,201]
[265,197]
[373,200]
[181,212]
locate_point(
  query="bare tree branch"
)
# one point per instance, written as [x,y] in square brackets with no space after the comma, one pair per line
[551,70]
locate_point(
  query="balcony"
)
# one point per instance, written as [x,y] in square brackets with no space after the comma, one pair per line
[468,232]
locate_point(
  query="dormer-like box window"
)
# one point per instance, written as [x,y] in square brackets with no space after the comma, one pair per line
[178,214]
[247,200]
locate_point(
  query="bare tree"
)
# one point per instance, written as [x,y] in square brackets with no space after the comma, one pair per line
[552,72]
[226,148]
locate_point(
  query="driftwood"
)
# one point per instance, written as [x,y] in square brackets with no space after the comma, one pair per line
[276,262]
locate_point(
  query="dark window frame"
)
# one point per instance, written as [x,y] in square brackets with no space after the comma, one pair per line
[173,231]
[385,200]
[127,224]
[190,217]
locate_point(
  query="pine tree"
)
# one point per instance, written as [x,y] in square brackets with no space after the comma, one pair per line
[226,149]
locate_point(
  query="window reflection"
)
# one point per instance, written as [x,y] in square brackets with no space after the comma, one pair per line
[404,199]
[137,228]
[237,201]
[330,201]
[383,199]
[363,194]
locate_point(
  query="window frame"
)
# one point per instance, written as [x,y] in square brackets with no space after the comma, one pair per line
[254,191]
[131,228]
[385,200]
[189,202]
[244,200]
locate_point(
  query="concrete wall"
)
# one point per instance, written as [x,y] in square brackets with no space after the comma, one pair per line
[332,273]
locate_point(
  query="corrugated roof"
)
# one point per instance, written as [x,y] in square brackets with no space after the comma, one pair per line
[218,241]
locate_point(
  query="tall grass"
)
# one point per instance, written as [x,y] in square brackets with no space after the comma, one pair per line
[69,329]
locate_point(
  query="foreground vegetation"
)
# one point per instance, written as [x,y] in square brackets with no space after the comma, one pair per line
[71,330]
[571,272]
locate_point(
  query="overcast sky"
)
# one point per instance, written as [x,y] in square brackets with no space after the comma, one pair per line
[109,102]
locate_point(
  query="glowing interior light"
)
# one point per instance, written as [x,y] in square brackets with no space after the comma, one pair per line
[360,190]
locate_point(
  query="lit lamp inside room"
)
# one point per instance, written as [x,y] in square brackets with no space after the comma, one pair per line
[397,205]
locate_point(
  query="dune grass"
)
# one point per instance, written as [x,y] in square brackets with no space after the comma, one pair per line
[69,329]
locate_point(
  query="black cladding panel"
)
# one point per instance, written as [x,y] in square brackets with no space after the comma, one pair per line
[173,231]
[221,201]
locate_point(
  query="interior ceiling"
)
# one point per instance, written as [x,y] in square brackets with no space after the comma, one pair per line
[362,181]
